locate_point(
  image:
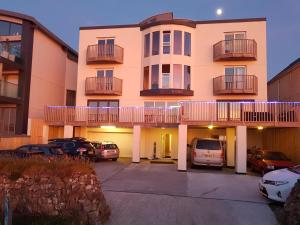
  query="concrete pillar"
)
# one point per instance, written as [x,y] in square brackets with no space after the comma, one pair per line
[136,143]
[241,150]
[45,134]
[230,146]
[182,147]
[68,131]
[29,127]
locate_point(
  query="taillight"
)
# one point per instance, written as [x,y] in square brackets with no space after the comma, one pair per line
[222,154]
[81,150]
[194,153]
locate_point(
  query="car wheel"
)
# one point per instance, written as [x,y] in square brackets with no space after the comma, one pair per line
[115,159]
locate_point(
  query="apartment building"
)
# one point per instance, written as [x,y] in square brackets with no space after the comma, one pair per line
[155,85]
[36,69]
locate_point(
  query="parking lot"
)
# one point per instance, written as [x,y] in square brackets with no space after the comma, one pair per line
[147,193]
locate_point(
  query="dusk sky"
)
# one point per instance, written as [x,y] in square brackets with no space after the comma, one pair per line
[64,17]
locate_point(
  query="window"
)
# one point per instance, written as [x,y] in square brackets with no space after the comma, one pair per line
[108,73]
[187,77]
[13,47]
[154,76]
[187,43]
[177,76]
[177,42]
[147,45]
[231,45]
[107,110]
[146,78]
[71,98]
[10,29]
[166,42]
[155,43]
[165,75]
[235,77]
[106,47]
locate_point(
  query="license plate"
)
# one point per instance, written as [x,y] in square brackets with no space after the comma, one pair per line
[208,155]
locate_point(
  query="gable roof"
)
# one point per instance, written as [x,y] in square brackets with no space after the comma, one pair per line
[282,72]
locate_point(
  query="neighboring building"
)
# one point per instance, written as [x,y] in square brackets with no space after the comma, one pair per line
[164,81]
[36,69]
[285,86]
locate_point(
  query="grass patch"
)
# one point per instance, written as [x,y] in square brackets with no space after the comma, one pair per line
[14,168]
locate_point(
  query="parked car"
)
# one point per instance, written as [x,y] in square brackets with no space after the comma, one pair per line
[265,161]
[277,185]
[77,147]
[107,150]
[207,152]
[50,151]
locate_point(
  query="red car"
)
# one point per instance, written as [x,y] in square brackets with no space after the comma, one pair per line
[265,161]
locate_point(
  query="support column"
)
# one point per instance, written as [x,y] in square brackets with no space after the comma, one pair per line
[241,150]
[230,146]
[68,131]
[45,134]
[182,147]
[136,143]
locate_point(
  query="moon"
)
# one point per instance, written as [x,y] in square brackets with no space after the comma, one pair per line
[219,12]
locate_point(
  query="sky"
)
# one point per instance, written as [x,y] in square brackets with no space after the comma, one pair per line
[64,17]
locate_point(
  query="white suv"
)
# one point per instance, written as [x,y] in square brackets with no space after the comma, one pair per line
[207,152]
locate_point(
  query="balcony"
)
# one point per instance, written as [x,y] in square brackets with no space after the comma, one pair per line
[235,84]
[8,90]
[103,86]
[167,92]
[252,114]
[238,49]
[104,54]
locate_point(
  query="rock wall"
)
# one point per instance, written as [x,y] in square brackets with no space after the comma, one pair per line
[292,206]
[78,196]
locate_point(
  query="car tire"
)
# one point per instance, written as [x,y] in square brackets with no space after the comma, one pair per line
[115,159]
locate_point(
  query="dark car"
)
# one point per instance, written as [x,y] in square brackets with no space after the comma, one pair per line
[76,147]
[50,151]
[107,150]
[265,161]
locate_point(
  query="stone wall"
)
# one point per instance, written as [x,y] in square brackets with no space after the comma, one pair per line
[292,206]
[78,196]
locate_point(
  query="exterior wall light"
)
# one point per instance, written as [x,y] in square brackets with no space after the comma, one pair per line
[260,128]
[108,127]
[210,126]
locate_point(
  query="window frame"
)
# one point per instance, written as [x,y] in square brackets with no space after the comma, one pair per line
[166,44]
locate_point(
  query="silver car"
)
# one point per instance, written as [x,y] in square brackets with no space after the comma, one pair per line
[207,152]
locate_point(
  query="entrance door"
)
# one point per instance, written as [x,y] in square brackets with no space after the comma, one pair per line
[166,145]
[105,81]
[234,43]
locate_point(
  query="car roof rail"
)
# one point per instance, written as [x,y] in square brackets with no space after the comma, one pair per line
[68,139]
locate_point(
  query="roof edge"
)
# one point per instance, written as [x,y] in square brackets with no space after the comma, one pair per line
[281,73]
[190,22]
[39,26]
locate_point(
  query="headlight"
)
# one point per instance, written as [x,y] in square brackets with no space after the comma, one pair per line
[275,183]
[270,167]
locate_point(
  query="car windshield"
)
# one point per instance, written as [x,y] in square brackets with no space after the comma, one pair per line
[278,156]
[110,146]
[208,144]
[295,169]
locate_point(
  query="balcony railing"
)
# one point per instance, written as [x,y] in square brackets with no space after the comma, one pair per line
[96,116]
[8,89]
[107,53]
[103,86]
[238,49]
[191,113]
[235,84]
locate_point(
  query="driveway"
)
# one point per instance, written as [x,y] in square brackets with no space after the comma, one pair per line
[149,194]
